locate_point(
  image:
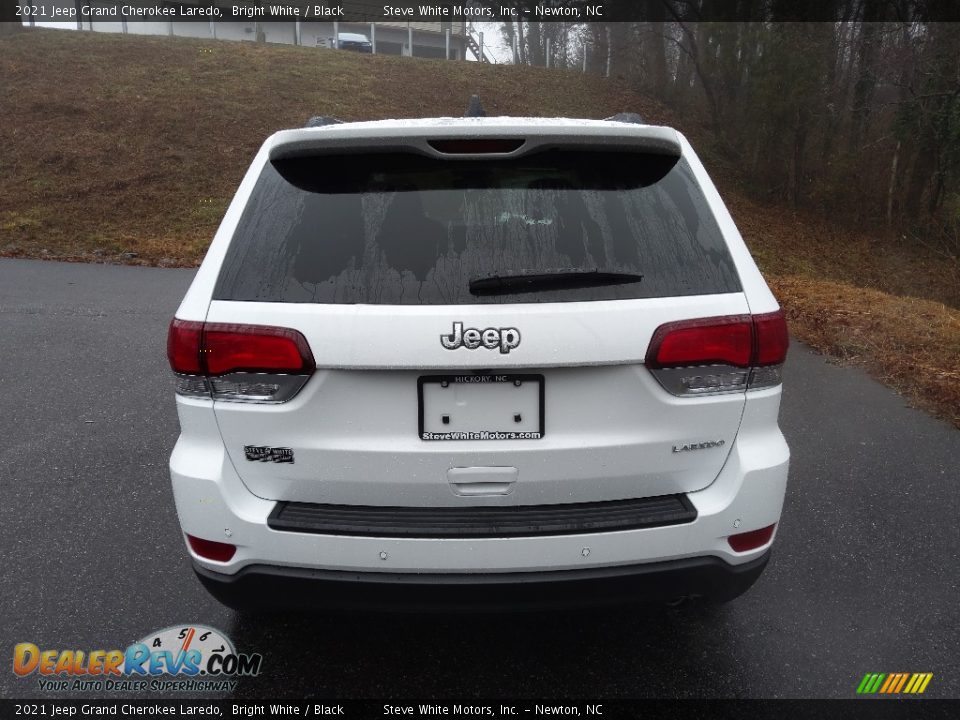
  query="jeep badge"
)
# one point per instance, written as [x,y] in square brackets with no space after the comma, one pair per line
[504,338]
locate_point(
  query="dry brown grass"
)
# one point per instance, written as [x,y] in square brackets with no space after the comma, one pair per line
[911,344]
[863,298]
[790,242]
[121,144]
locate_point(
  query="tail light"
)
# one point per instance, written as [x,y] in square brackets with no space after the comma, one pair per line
[721,354]
[211,549]
[742,542]
[250,363]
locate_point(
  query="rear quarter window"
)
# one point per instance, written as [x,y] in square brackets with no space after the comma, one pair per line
[405,229]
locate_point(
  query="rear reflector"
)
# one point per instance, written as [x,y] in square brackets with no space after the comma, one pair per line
[742,542]
[212,550]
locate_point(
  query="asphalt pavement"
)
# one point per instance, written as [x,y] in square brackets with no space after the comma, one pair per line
[864,576]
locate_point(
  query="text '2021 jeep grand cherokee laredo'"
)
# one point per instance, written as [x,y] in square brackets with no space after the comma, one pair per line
[478,362]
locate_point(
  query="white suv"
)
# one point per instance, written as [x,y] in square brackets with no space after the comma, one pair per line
[477,363]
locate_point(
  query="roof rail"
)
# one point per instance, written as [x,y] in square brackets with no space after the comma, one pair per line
[321,120]
[474,108]
[627,117]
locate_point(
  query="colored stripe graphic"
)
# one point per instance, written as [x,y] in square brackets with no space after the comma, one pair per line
[894,683]
[918,683]
[870,683]
[903,679]
[892,678]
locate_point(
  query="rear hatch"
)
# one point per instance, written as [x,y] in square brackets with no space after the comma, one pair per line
[479,317]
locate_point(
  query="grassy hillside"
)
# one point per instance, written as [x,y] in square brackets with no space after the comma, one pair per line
[135,144]
[128,149]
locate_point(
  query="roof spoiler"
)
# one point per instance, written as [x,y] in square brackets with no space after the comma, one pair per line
[409,137]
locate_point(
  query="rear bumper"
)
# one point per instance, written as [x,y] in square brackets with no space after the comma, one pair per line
[390,569]
[264,586]
[214,504]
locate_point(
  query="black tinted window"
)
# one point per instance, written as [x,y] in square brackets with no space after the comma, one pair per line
[402,229]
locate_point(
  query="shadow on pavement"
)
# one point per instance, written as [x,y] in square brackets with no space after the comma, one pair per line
[597,653]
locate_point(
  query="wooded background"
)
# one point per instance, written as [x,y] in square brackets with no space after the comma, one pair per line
[857,114]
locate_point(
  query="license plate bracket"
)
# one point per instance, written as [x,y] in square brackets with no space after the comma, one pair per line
[491,406]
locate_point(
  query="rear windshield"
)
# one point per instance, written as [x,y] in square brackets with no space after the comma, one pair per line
[404,229]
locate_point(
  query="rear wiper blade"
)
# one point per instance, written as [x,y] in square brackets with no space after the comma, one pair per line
[511,284]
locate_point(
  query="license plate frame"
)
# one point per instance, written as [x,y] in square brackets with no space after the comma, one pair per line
[468,379]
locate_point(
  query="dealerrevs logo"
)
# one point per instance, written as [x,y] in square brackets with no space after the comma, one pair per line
[184,658]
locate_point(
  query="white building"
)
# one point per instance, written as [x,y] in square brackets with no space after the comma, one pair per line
[451,40]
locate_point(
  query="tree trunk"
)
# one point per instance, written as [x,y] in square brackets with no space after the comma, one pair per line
[799,148]
[696,37]
[893,184]
[920,176]
[655,49]
[868,51]
[522,44]
[535,45]
[609,51]
[681,86]
[510,35]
